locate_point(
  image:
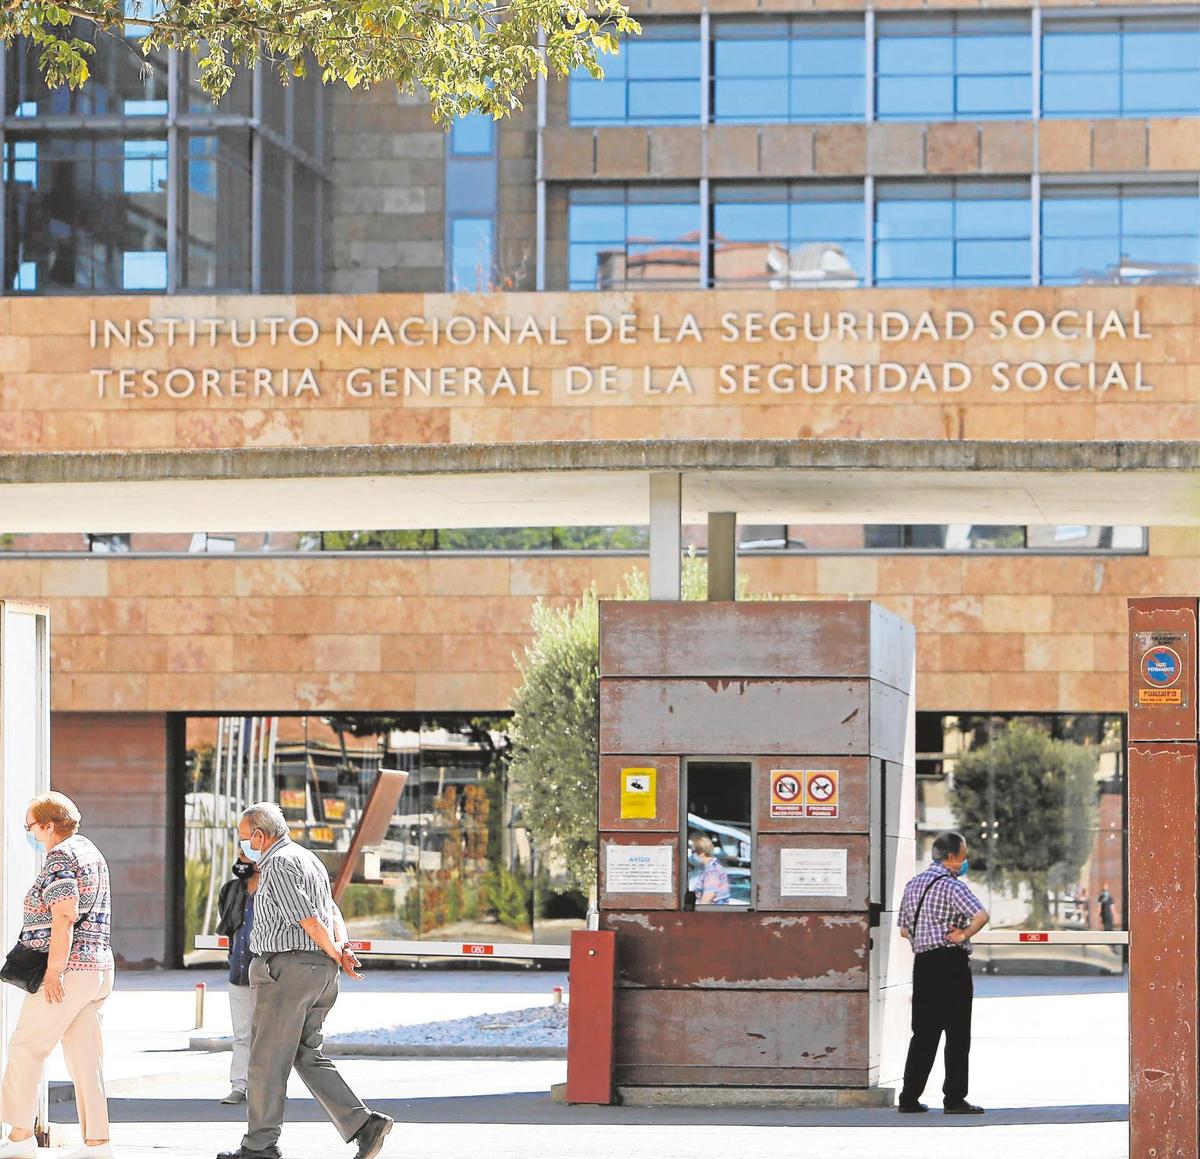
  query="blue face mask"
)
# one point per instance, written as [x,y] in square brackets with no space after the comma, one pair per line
[963,869]
[33,842]
[250,852]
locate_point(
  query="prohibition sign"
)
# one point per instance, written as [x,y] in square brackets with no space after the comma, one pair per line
[787,787]
[1161,666]
[821,788]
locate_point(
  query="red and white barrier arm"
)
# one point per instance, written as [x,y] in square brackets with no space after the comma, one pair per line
[1051,938]
[519,950]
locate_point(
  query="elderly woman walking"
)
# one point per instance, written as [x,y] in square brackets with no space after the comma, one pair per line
[67,918]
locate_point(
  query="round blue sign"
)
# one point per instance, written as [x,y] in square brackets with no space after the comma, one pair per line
[1161,666]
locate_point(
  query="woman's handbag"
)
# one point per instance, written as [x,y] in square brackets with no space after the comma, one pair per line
[25,967]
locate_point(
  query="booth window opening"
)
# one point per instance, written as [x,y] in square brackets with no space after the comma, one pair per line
[718,850]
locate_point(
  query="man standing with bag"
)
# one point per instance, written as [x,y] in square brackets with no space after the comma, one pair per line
[299,947]
[939,915]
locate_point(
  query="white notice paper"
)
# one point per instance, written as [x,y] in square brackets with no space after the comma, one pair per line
[639,869]
[812,873]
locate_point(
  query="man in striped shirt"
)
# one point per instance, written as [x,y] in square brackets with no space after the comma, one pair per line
[939,915]
[299,947]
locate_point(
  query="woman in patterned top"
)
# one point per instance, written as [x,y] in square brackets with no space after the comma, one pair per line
[67,912]
[712,885]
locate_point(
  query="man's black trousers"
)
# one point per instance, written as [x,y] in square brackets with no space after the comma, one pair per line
[942,996]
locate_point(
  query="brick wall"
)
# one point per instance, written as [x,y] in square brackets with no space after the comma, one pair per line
[114,767]
[135,635]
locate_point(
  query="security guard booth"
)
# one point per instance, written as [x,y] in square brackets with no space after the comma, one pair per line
[756,818]
[24,772]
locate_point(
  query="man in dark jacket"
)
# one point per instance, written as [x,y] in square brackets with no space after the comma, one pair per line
[235,920]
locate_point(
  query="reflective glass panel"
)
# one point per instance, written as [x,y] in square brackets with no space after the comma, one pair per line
[1120,234]
[654,79]
[473,136]
[216,213]
[85,214]
[1127,66]
[637,237]
[471,256]
[954,67]
[952,233]
[123,80]
[797,70]
[809,235]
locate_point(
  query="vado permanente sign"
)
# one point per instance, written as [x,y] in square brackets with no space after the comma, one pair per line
[832,353]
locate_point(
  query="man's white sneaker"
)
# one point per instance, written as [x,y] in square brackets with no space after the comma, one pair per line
[103,1151]
[25,1149]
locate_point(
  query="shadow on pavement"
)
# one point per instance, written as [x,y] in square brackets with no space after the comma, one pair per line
[536,1109]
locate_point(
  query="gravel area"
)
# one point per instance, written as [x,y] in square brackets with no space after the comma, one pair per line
[541,1026]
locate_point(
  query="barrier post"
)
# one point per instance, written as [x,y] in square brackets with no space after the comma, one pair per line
[590,1017]
[1163,916]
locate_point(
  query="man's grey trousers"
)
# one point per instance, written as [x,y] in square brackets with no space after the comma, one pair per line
[293,992]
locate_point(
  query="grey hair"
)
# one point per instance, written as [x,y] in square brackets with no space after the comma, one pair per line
[948,844]
[266,816]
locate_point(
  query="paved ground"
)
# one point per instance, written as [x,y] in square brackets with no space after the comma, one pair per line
[1049,1061]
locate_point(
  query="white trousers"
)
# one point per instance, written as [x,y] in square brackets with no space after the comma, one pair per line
[241,1008]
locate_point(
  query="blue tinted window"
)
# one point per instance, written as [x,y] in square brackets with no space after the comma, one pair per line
[808,235]
[797,70]
[654,79]
[1131,66]
[473,136]
[947,233]
[471,254]
[632,238]
[953,67]
[1120,234]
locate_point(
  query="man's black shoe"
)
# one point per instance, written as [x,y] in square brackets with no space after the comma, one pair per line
[911,1108]
[370,1136]
[244,1153]
[964,1109]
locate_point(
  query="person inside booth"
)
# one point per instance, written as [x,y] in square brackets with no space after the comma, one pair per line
[711,884]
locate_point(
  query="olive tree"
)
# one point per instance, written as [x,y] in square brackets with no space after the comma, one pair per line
[468,55]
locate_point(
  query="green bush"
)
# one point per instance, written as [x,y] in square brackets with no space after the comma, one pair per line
[362,901]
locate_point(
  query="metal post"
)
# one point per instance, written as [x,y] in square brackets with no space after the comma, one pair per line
[256,187]
[722,555]
[540,242]
[174,174]
[666,494]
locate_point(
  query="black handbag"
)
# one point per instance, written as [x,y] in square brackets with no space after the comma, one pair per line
[25,967]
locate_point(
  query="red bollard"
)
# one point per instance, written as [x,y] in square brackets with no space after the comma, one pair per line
[591,1017]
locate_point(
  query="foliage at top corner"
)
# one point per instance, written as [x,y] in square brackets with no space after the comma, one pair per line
[468,55]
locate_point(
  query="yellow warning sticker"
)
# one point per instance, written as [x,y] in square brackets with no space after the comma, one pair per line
[639,798]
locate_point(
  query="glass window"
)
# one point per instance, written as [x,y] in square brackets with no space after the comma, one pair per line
[471,254]
[952,233]
[85,214]
[1120,233]
[953,67]
[636,237]
[216,212]
[1121,67]
[654,79]
[788,237]
[719,856]
[123,80]
[473,136]
[790,70]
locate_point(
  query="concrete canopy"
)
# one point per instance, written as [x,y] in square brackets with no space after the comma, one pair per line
[601,483]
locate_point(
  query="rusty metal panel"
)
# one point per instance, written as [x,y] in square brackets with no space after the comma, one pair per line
[743,1028]
[741,951]
[666,818]
[1163,950]
[793,638]
[855,775]
[767,873]
[717,717]
[744,1076]
[1162,709]
[639,901]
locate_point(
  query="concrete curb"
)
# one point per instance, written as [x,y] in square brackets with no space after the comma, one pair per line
[350,1047]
